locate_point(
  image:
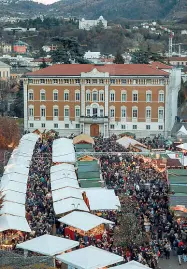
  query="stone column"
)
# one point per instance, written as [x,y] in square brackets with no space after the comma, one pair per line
[25,92]
[82,100]
[106,100]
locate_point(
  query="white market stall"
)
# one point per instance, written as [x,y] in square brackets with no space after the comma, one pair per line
[63,174]
[13,186]
[69,204]
[62,167]
[126,142]
[89,258]
[63,151]
[19,169]
[182,146]
[14,177]
[15,197]
[8,222]
[130,265]
[182,131]
[14,209]
[63,183]
[65,193]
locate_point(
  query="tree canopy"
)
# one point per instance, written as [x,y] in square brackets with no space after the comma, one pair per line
[9,133]
[118,59]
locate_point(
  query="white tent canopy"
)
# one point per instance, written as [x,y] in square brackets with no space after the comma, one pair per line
[61,167]
[89,258]
[69,204]
[130,265]
[20,169]
[83,220]
[63,174]
[11,208]
[14,177]
[63,183]
[66,193]
[13,186]
[19,160]
[102,199]
[182,131]
[127,141]
[182,146]
[63,151]
[15,197]
[8,222]
[30,137]
[48,245]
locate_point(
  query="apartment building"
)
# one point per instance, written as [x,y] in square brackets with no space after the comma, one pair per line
[104,99]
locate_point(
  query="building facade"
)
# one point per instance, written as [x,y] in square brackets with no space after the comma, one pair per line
[102,99]
[88,24]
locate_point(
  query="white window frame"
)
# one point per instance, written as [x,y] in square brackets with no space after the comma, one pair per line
[32,108]
[66,92]
[112,96]
[148,108]
[76,109]
[148,93]
[101,108]
[93,93]
[88,109]
[55,93]
[41,94]
[101,93]
[88,93]
[54,110]
[160,109]
[161,93]
[112,115]
[32,93]
[123,92]
[135,92]
[41,108]
[134,108]
[66,107]
[123,108]
[77,93]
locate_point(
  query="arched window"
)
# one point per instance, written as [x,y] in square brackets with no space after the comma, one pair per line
[112,96]
[77,96]
[101,96]
[77,111]
[88,96]
[66,95]
[123,112]
[42,111]
[161,96]
[123,96]
[31,111]
[135,96]
[42,95]
[55,111]
[148,113]
[95,96]
[148,96]
[112,112]
[55,95]
[66,112]
[30,95]
[134,112]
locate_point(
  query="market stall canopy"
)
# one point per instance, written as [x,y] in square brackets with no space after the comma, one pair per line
[182,131]
[63,174]
[63,183]
[13,186]
[102,199]
[8,222]
[83,220]
[30,137]
[79,148]
[61,167]
[182,146]
[89,258]
[14,177]
[83,138]
[20,169]
[19,160]
[48,245]
[87,158]
[63,151]
[66,193]
[177,176]
[14,209]
[14,197]
[126,142]
[130,265]
[178,199]
[68,205]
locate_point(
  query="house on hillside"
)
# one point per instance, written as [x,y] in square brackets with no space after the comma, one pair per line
[88,24]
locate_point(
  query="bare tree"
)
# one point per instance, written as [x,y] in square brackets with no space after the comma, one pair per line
[9,133]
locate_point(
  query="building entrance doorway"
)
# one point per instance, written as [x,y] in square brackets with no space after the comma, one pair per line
[94,130]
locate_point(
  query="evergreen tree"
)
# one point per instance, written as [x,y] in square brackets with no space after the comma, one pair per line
[140,57]
[43,64]
[18,106]
[118,59]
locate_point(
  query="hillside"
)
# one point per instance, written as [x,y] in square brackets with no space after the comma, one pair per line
[130,9]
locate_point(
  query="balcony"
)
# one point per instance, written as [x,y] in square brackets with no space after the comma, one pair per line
[94,119]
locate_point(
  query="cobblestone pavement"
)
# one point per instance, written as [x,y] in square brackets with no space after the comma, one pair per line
[172,263]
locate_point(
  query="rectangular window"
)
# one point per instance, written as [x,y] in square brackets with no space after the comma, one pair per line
[43,112]
[88,81]
[112,113]
[134,127]
[55,112]
[94,81]
[31,96]
[55,81]
[112,97]
[77,126]
[161,97]
[160,127]
[56,125]
[77,96]
[95,97]
[101,113]
[123,127]
[160,114]
[43,125]
[148,113]
[31,125]
[31,112]
[77,81]
[124,81]
[42,96]
[77,112]
[88,112]
[123,113]
[112,81]
[42,81]
[112,127]
[66,125]
[101,97]
[66,81]
[55,96]
[135,113]
[135,97]
[123,97]
[148,97]
[148,127]
[88,96]
[66,112]
[101,81]
[66,96]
